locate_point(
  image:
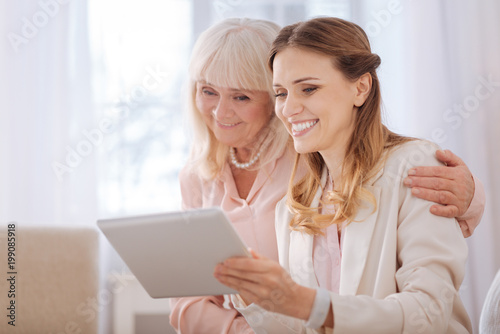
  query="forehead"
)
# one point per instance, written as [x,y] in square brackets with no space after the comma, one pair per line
[292,63]
[201,83]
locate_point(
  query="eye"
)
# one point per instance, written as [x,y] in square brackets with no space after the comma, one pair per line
[207,92]
[309,90]
[280,95]
[242,98]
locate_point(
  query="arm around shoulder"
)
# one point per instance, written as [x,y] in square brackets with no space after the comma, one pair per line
[472,217]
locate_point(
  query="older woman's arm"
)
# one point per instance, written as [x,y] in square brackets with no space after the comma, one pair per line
[200,315]
[458,193]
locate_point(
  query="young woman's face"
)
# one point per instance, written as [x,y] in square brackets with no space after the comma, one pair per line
[314,101]
[235,116]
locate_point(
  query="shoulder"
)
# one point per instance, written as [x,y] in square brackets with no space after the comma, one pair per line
[413,153]
[187,174]
[191,173]
[189,177]
[398,160]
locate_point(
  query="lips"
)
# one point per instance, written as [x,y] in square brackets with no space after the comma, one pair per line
[300,128]
[226,125]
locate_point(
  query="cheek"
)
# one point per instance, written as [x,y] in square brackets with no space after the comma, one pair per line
[279,113]
[203,105]
[257,115]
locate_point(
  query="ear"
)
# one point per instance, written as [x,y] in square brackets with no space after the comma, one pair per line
[363,88]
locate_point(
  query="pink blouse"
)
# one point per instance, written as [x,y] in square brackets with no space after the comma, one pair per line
[327,255]
[327,251]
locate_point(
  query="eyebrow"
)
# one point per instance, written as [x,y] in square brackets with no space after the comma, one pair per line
[231,89]
[297,81]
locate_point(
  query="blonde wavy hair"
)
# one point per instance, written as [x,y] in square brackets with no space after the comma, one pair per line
[232,53]
[348,46]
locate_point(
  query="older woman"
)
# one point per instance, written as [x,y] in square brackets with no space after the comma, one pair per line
[242,156]
[360,254]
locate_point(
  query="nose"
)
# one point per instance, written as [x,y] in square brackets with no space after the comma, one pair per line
[292,106]
[223,109]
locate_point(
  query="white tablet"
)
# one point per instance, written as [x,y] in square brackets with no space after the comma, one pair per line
[175,254]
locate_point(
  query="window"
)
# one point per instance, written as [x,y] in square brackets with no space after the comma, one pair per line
[140,53]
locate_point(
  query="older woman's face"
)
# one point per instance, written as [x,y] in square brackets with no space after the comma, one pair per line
[235,116]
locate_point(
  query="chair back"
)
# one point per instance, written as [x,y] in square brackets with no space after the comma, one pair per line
[49,279]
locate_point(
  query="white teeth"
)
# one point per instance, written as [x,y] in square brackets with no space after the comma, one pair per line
[224,124]
[302,126]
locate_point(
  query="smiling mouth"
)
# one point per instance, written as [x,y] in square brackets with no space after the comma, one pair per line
[226,125]
[301,128]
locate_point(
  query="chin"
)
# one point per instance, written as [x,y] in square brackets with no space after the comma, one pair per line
[303,149]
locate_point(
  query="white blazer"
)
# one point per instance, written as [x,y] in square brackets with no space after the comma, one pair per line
[401,265]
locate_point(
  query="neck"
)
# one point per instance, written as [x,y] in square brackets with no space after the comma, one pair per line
[246,153]
[334,161]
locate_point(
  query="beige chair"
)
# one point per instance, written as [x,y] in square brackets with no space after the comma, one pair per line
[54,279]
[490,315]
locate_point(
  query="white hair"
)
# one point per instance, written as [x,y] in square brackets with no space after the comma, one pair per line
[234,54]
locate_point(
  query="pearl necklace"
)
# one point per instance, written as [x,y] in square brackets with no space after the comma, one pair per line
[245,165]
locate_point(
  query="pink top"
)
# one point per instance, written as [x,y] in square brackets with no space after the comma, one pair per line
[253,218]
[327,252]
[327,255]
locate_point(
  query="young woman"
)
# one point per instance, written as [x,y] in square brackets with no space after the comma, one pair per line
[358,252]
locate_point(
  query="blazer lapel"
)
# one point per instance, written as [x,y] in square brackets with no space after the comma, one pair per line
[301,249]
[356,244]
[301,268]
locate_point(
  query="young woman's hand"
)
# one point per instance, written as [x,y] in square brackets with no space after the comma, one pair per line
[264,282]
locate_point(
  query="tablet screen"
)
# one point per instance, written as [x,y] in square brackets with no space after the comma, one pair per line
[174,254]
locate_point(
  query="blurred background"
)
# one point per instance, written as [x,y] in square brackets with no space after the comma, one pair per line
[92,102]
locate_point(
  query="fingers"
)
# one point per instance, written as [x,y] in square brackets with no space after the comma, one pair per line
[248,264]
[254,254]
[454,187]
[440,197]
[255,270]
[465,228]
[449,158]
[430,171]
[449,202]
[448,211]
[258,288]
[434,183]
[238,283]
[241,275]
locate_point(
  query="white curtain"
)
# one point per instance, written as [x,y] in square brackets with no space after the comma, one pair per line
[440,78]
[49,136]
[460,53]
[47,174]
